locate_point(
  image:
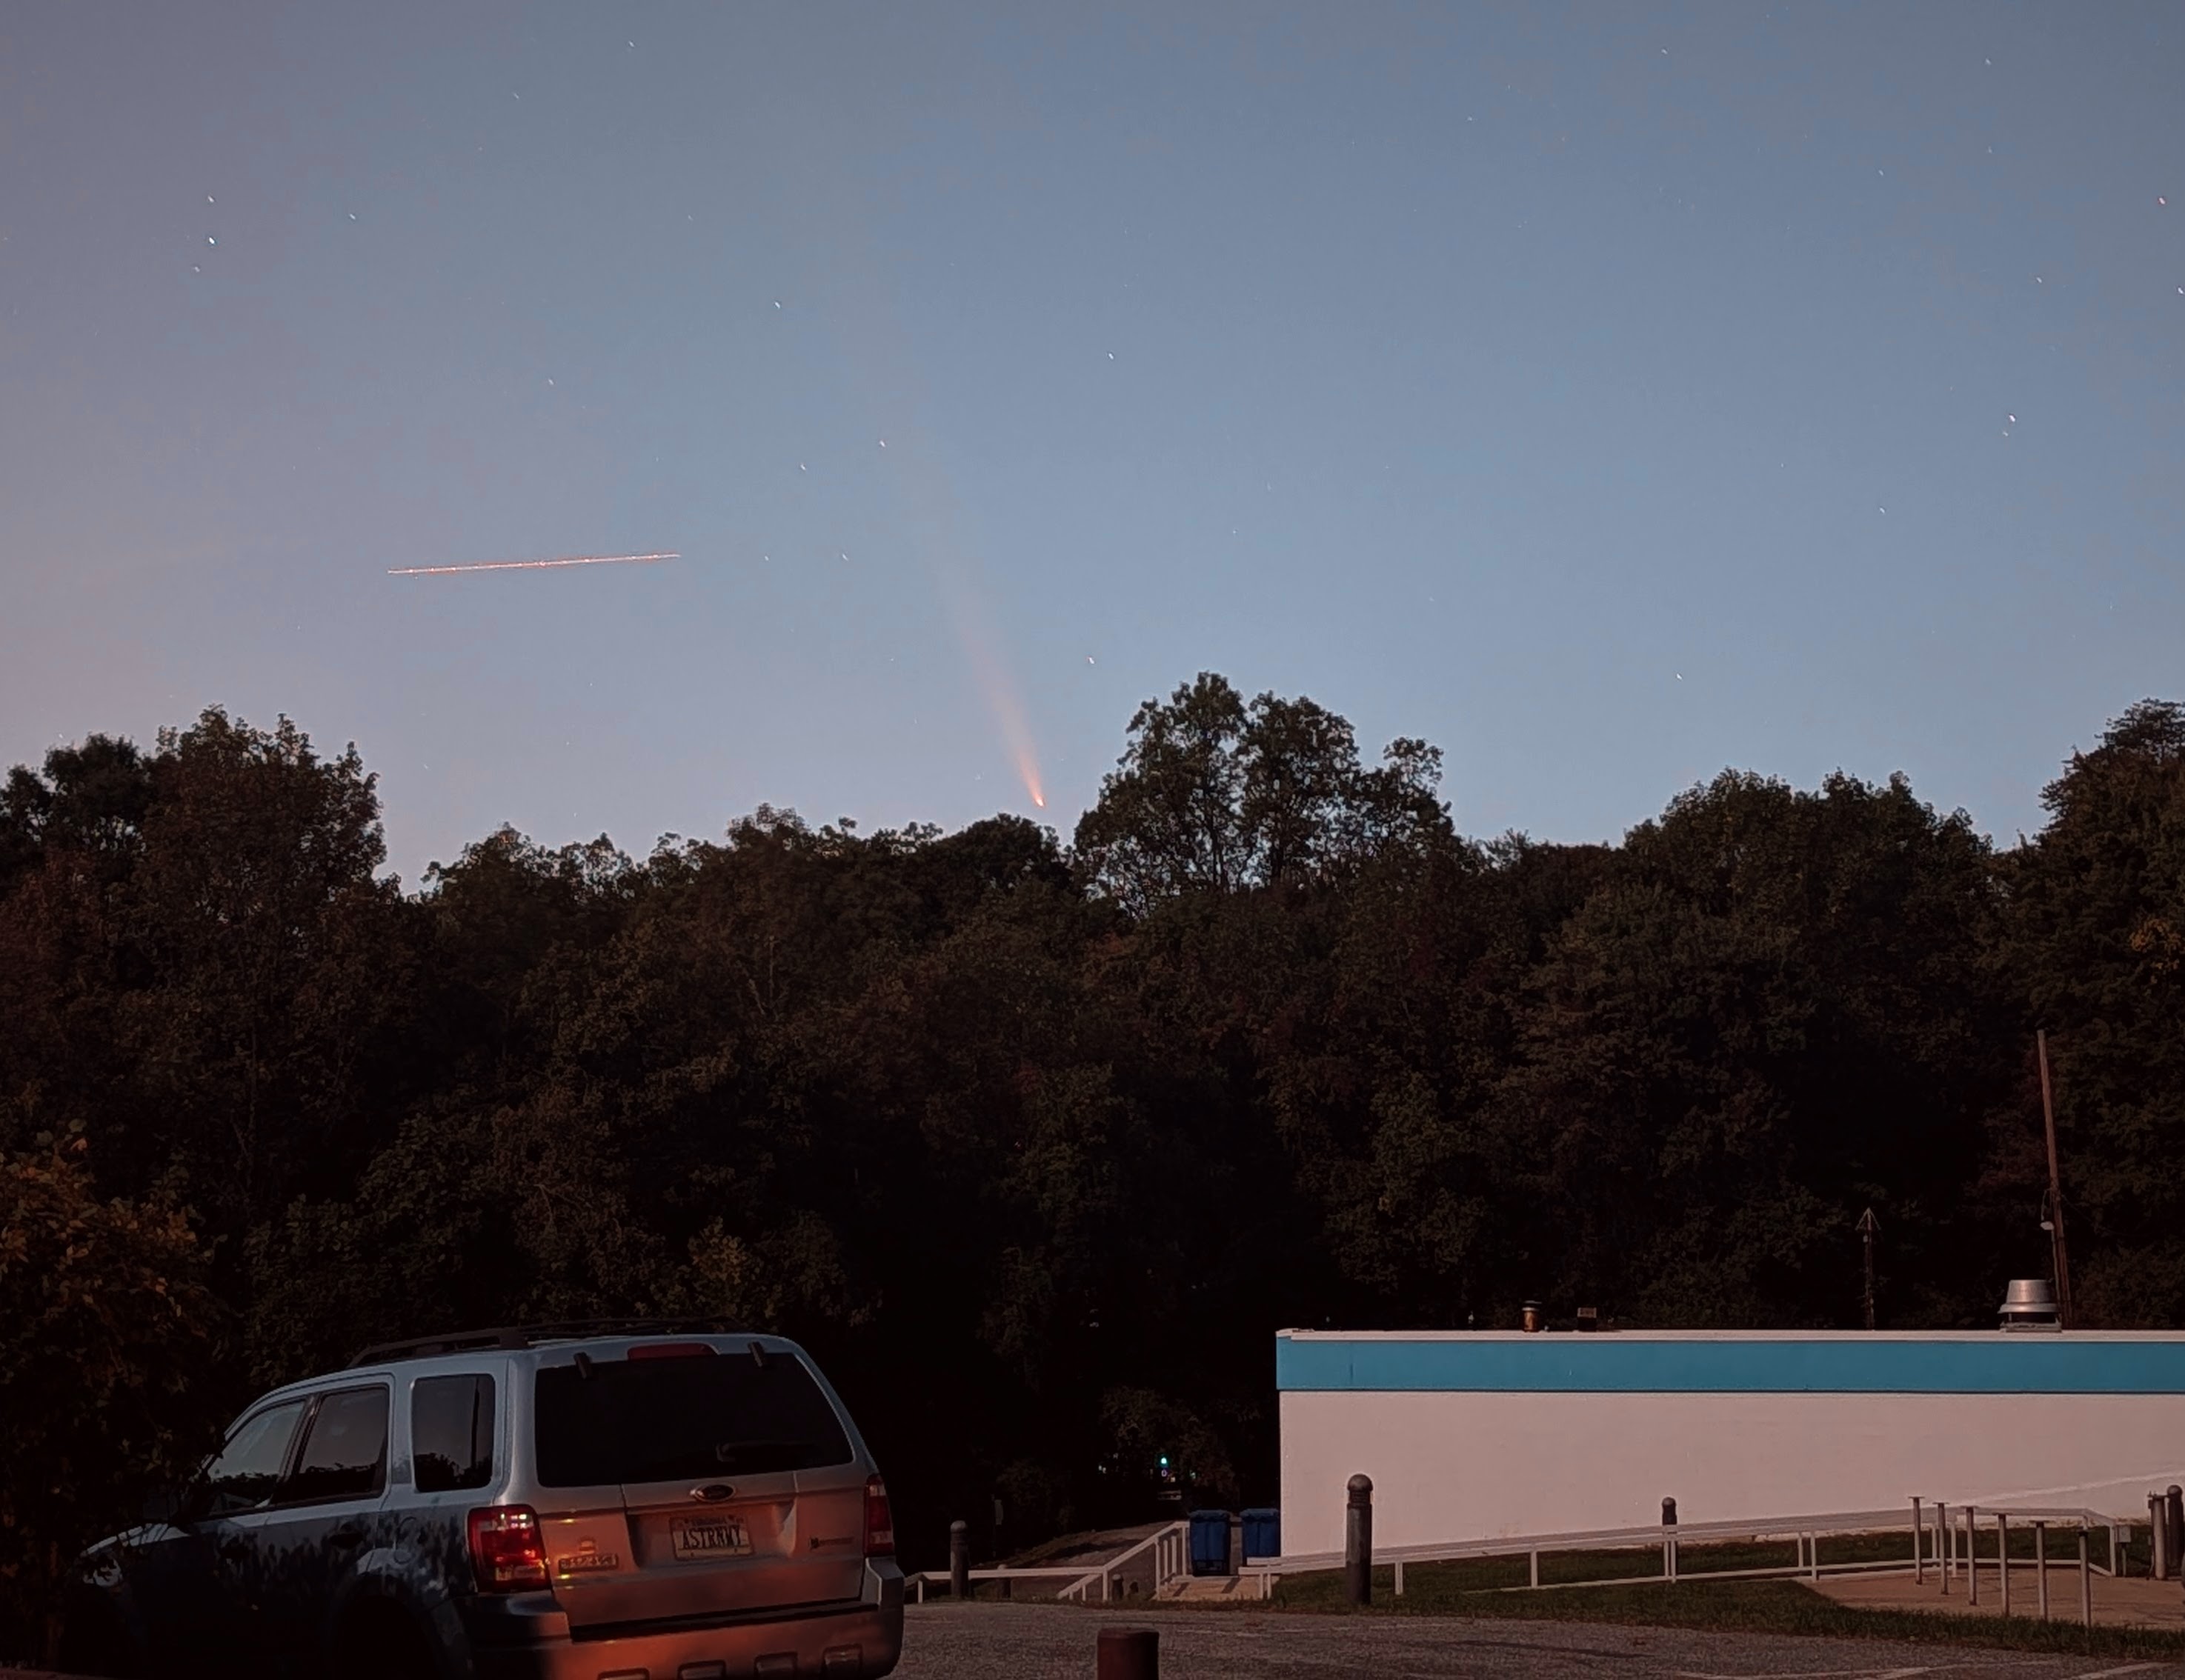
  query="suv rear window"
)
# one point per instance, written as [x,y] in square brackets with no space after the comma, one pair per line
[652,1420]
[451,1432]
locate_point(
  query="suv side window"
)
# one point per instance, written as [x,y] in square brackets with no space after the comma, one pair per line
[244,1473]
[451,1432]
[344,1455]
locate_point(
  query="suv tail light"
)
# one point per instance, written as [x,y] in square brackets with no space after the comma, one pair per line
[508,1554]
[880,1521]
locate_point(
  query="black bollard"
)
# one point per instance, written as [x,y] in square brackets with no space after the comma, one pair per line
[959,1561]
[1127,1654]
[1358,1541]
[2173,1509]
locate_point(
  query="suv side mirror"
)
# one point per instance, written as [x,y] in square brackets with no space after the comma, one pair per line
[162,1505]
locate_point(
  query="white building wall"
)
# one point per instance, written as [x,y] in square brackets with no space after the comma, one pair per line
[1466,1465]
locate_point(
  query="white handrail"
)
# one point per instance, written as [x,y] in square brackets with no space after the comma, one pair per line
[1172,1558]
[1167,1544]
[1653,1535]
[921,1579]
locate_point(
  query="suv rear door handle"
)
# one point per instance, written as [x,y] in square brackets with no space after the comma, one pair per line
[349,1534]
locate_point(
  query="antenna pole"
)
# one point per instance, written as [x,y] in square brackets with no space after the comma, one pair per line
[1868,1226]
[2055,1190]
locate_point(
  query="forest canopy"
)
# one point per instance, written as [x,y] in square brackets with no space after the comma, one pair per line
[1036,1143]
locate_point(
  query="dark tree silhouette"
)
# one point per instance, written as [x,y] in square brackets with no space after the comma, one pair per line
[1035,1146]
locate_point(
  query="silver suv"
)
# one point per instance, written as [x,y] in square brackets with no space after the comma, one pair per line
[634,1500]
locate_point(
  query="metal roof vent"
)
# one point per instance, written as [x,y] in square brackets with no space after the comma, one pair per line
[2029,1304]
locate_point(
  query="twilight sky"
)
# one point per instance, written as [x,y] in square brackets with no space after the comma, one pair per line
[1607,394]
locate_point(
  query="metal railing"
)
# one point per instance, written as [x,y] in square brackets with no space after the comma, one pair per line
[1948,1544]
[1950,1559]
[1163,1555]
[1168,1552]
[940,1577]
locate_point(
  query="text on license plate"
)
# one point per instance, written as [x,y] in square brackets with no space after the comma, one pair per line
[712,1537]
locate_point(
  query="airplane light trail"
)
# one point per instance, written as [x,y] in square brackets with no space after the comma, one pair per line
[527,565]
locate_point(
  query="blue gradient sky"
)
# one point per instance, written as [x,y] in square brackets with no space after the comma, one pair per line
[1533,382]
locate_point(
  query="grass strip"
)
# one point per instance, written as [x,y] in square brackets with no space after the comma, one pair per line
[1782,1607]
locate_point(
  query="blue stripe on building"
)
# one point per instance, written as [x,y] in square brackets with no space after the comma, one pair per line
[1608,1364]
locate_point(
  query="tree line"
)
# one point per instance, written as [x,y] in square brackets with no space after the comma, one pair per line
[1035,1144]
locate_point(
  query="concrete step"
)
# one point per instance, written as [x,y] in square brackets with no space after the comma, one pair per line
[1211,1588]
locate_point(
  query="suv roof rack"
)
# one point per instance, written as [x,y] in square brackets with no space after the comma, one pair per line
[531,1334]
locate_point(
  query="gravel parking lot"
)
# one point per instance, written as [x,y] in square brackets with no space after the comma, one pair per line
[1032,1641]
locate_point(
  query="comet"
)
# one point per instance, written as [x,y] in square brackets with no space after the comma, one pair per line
[932,524]
[530,565]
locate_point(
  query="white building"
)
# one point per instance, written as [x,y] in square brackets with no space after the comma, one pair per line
[1475,1434]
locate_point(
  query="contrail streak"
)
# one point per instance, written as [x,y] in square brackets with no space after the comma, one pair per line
[527,565]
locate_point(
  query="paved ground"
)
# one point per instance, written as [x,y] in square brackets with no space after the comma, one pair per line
[2132,1602]
[1039,1642]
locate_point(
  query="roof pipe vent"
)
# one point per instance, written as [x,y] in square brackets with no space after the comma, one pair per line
[2029,1304]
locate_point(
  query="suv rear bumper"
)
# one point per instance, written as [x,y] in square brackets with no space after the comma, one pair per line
[855,1642]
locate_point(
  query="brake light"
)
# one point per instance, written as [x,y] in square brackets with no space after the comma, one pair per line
[880,1521]
[508,1554]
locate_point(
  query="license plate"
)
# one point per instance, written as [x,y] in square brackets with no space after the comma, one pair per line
[712,1536]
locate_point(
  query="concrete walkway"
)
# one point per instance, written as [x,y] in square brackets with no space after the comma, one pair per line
[2132,1602]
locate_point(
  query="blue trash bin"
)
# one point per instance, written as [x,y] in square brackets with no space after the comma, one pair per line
[1263,1532]
[1210,1542]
